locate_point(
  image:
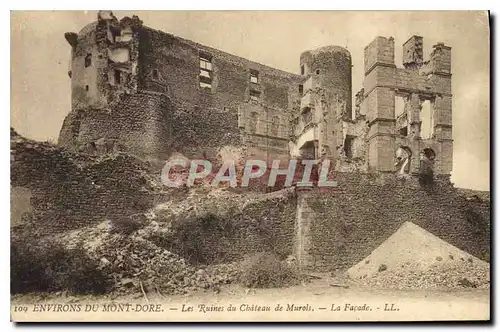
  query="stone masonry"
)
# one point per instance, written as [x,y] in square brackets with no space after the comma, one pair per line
[151,94]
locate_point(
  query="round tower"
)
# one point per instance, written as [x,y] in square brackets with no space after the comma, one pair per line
[327,95]
[331,69]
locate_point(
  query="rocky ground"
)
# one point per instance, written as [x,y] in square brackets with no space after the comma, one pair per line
[138,265]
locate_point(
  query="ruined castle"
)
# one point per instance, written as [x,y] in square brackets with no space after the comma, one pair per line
[153,95]
[150,93]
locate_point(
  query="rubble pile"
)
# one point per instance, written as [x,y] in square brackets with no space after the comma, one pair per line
[136,264]
[415,258]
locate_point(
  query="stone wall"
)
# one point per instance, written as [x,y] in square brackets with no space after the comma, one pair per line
[208,118]
[136,123]
[226,231]
[70,190]
[418,82]
[340,227]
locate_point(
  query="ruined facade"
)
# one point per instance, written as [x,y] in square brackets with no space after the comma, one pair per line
[151,93]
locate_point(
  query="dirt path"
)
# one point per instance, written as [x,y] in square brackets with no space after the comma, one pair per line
[317,301]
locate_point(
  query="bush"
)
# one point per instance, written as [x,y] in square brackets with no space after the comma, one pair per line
[265,270]
[48,266]
[125,225]
[200,240]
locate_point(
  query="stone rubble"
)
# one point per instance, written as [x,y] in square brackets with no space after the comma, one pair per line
[415,258]
[136,264]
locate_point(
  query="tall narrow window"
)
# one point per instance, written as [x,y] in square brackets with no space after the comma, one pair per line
[426,120]
[254,76]
[205,71]
[118,77]
[401,115]
[301,90]
[155,74]
[302,70]
[88,60]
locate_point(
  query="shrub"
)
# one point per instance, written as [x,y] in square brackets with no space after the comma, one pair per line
[200,240]
[48,266]
[265,270]
[125,225]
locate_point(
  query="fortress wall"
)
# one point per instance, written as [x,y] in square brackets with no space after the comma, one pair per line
[347,223]
[177,61]
[67,190]
[137,123]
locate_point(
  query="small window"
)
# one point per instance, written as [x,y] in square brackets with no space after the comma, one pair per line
[155,74]
[205,62]
[302,70]
[88,60]
[118,77]
[301,89]
[86,88]
[116,33]
[205,71]
[254,95]
[254,76]
[317,71]
[205,85]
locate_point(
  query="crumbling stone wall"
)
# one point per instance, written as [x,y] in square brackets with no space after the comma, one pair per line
[207,118]
[418,82]
[347,223]
[264,224]
[70,190]
[135,123]
[201,131]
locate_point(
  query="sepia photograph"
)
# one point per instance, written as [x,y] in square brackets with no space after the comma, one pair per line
[250,166]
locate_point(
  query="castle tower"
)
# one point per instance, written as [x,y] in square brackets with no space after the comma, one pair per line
[408,108]
[326,99]
[103,60]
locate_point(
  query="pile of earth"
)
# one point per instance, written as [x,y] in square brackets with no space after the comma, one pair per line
[415,258]
[137,265]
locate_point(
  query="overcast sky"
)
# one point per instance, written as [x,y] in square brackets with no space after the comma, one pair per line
[40,93]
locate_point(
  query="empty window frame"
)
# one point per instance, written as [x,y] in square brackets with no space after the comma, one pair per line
[254,76]
[88,60]
[301,90]
[426,120]
[118,77]
[302,70]
[254,95]
[205,71]
[156,75]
